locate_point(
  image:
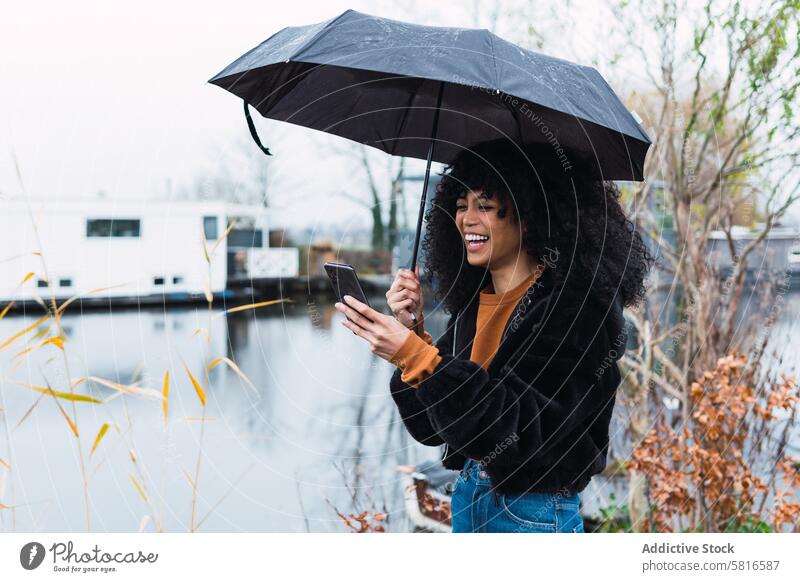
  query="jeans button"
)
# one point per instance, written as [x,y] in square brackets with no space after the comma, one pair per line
[483,475]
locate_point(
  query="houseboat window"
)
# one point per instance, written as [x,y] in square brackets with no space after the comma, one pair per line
[65,282]
[210,227]
[176,280]
[245,237]
[41,283]
[158,280]
[111,227]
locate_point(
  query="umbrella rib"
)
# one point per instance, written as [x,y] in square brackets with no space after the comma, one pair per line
[494,62]
[514,112]
[317,36]
[403,121]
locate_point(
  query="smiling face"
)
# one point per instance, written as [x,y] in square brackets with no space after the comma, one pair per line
[492,236]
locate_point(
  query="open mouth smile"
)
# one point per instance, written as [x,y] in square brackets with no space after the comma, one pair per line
[475,242]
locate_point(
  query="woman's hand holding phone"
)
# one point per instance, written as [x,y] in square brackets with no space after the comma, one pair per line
[405,297]
[383,332]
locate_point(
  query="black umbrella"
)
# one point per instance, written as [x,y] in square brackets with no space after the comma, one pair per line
[405,88]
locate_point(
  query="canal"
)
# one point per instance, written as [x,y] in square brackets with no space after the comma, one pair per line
[314,434]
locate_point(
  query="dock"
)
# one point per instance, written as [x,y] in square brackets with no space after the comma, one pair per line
[239,290]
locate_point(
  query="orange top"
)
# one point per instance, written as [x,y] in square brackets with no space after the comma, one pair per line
[418,357]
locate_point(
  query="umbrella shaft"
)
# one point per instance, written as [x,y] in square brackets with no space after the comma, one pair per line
[427,177]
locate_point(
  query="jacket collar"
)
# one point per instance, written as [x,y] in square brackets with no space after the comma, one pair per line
[540,297]
[542,289]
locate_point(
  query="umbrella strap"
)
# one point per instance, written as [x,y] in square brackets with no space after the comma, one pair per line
[252,127]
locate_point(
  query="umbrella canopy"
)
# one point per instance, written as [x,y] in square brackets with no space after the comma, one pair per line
[378,81]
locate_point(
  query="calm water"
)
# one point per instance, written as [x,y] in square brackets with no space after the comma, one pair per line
[318,432]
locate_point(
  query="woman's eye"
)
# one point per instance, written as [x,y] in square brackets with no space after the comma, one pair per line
[485,208]
[461,207]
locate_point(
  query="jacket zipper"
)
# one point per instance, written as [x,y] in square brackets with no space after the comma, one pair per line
[455,338]
[453,352]
[455,330]
[525,299]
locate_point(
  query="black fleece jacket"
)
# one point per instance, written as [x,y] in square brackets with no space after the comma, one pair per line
[538,417]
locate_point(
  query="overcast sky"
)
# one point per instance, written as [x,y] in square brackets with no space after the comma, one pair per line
[113,97]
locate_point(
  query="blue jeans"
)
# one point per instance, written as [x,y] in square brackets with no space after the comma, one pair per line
[475,509]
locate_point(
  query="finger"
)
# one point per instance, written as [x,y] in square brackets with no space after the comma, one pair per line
[363,309]
[396,306]
[395,300]
[402,313]
[345,322]
[354,315]
[409,283]
[412,287]
[360,332]
[408,294]
[397,295]
[402,284]
[407,304]
[362,314]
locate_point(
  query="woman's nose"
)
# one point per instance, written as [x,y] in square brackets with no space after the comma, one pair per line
[470,217]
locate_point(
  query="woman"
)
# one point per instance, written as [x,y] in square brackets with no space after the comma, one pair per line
[534,260]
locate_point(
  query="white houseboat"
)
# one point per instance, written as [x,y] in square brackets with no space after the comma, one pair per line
[135,249]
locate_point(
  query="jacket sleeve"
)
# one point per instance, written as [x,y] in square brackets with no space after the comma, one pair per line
[412,410]
[552,388]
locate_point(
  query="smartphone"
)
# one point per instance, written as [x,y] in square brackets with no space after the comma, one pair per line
[345,282]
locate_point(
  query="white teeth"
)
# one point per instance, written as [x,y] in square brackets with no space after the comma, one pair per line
[475,237]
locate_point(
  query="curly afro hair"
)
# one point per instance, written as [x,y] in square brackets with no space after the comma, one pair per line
[567,209]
